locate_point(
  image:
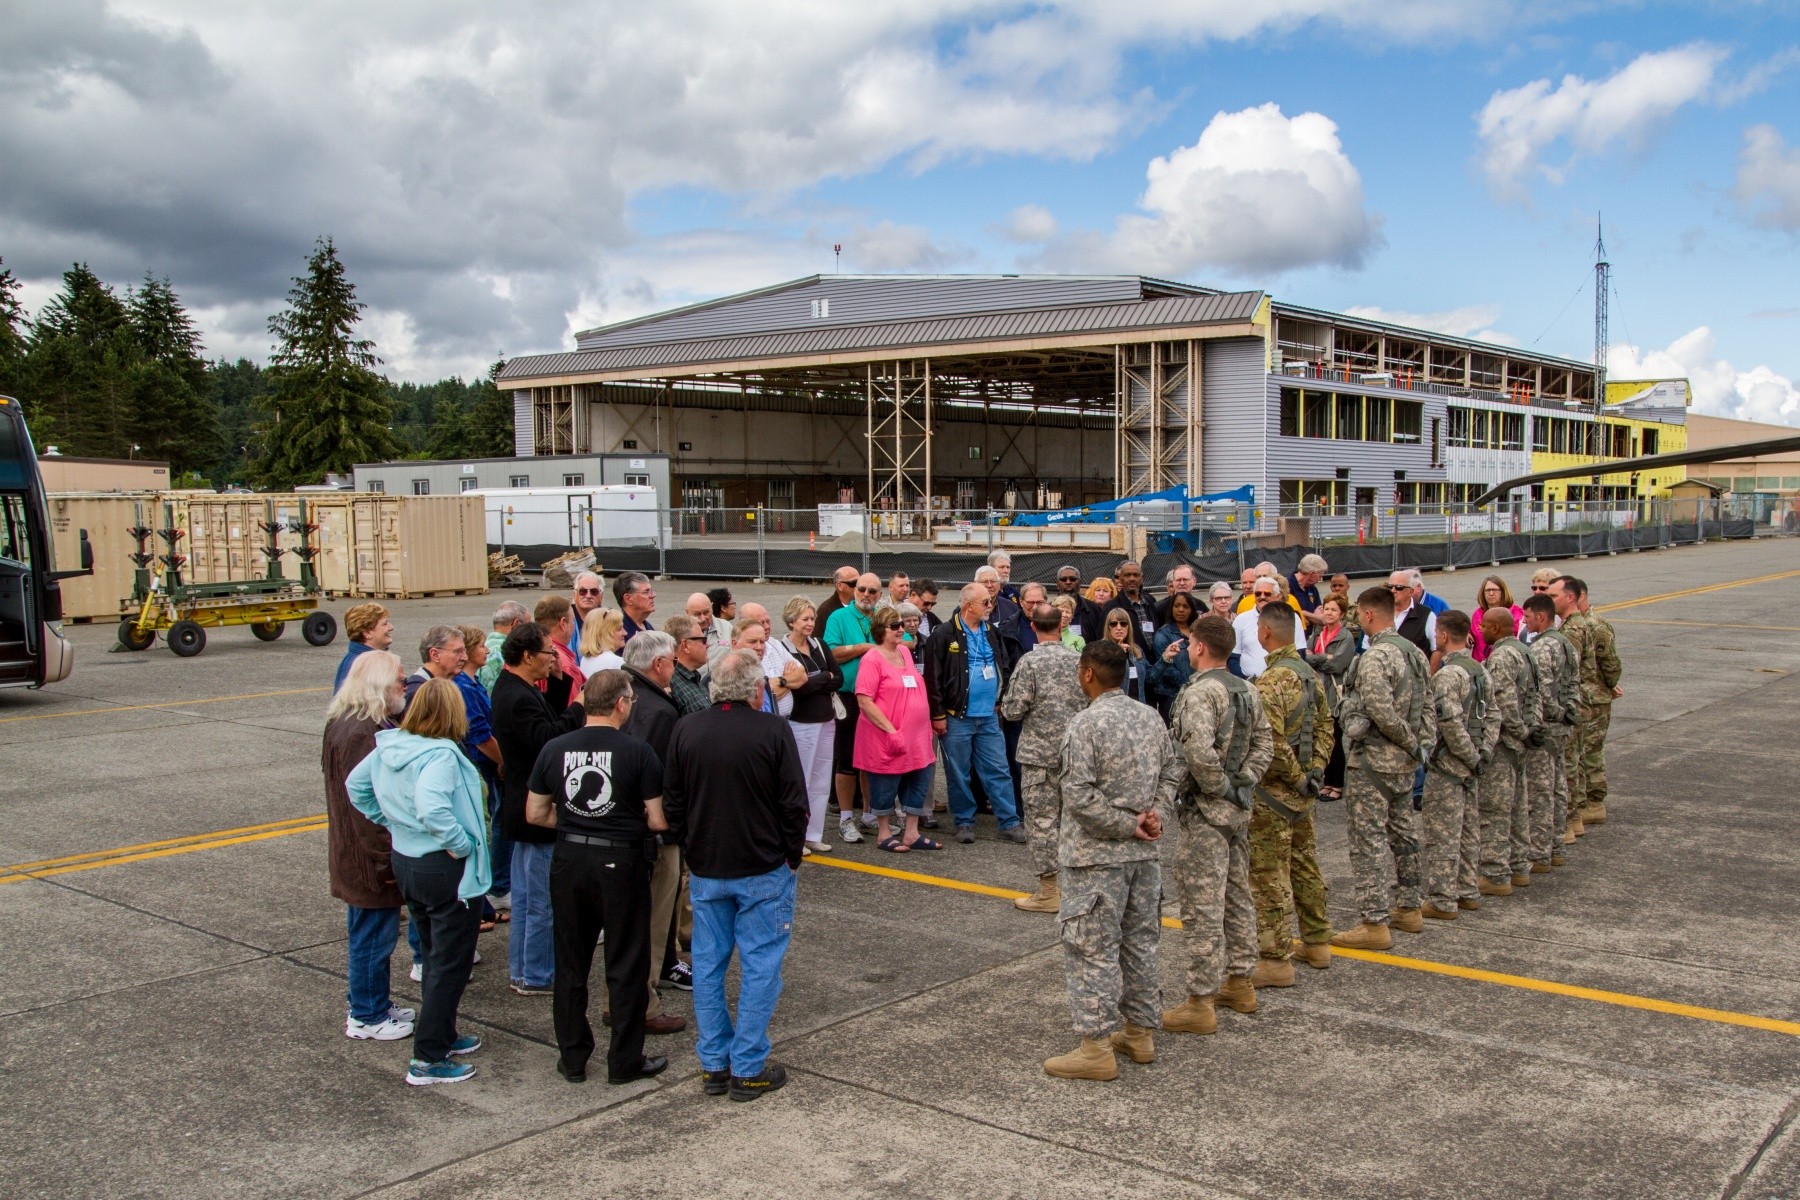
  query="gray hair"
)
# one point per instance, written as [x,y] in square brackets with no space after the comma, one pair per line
[627,583]
[365,690]
[589,575]
[736,676]
[1216,588]
[644,649]
[988,572]
[998,557]
[1169,576]
[436,638]
[972,591]
[1312,562]
[1265,569]
[909,609]
[1415,578]
[510,614]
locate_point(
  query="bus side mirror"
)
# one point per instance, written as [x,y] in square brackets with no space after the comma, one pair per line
[87,552]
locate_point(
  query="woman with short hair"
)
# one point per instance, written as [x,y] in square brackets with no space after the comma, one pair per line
[1493,594]
[893,738]
[421,786]
[1101,592]
[808,707]
[725,611]
[1169,664]
[1065,604]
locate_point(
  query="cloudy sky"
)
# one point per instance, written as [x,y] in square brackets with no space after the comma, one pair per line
[498,176]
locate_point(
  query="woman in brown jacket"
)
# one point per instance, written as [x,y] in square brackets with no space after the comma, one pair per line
[373,694]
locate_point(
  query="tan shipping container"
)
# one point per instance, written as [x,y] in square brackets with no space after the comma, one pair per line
[403,546]
[106,516]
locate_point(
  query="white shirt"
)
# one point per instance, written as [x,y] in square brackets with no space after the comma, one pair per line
[1251,657]
[607,661]
[1401,615]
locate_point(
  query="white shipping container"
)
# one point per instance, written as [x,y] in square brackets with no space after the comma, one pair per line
[613,515]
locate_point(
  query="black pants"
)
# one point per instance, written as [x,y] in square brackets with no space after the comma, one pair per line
[1334,770]
[447,929]
[594,888]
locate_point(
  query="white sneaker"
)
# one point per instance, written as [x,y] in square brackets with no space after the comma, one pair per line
[417,974]
[476,959]
[806,852]
[848,832]
[396,1013]
[868,820]
[819,847]
[389,1030]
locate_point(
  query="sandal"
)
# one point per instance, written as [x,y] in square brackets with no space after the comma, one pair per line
[923,843]
[503,916]
[487,925]
[893,845]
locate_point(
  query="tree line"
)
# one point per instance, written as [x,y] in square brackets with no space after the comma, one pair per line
[104,375]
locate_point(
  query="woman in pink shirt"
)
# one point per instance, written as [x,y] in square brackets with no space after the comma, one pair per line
[1494,594]
[893,739]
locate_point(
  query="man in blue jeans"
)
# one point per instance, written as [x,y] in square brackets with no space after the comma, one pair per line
[734,791]
[965,674]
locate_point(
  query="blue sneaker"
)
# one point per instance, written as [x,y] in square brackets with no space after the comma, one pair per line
[424,1074]
[468,1043]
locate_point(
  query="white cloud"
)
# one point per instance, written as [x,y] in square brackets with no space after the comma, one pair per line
[1471,321]
[1768,179]
[1518,126]
[1029,223]
[1720,389]
[1259,193]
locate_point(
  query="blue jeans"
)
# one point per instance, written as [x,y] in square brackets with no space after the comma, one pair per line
[531,944]
[756,915]
[975,745]
[500,848]
[912,789]
[373,932]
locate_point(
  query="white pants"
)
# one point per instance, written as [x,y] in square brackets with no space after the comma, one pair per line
[815,743]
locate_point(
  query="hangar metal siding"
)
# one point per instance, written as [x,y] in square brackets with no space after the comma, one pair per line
[1235,415]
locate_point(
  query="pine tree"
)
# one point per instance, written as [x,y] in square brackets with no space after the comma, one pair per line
[327,409]
[79,375]
[237,391]
[176,417]
[12,331]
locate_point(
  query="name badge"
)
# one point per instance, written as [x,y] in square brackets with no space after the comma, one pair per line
[1131,671]
[909,681]
[1149,626]
[987,672]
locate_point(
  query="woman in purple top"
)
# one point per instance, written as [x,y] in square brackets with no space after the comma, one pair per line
[893,739]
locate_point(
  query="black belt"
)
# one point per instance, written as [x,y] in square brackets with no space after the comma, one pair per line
[584,840]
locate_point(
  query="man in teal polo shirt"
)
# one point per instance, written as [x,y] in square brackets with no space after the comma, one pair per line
[848,638]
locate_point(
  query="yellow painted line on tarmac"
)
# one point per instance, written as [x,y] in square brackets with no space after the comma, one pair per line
[1526,982]
[150,850]
[1695,591]
[67,859]
[96,712]
[1707,625]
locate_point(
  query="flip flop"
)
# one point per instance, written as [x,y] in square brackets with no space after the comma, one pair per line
[923,843]
[503,916]
[893,845]
[487,925]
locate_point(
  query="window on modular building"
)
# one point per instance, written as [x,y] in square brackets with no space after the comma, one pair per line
[1790,483]
[1478,429]
[638,479]
[468,485]
[1486,371]
[1377,419]
[518,481]
[1512,431]
[1459,427]
[1540,433]
[377,487]
[1743,483]
[1290,413]
[421,487]
[1349,418]
[1652,440]
[576,480]
[1767,483]
[1409,421]
[1319,493]
[1315,414]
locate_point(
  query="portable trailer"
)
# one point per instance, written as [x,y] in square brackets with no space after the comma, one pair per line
[185,611]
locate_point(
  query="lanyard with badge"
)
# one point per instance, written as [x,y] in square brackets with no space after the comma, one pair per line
[986,658]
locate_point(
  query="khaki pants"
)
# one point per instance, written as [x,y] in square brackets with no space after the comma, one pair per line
[665,887]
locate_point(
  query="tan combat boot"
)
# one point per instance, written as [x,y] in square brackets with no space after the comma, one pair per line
[1316,955]
[1522,879]
[1193,1015]
[1439,914]
[1238,994]
[1542,868]
[1593,814]
[1488,887]
[1272,972]
[1407,920]
[1091,1060]
[1364,937]
[1577,827]
[1557,859]
[1469,904]
[1047,898]
[1135,1042]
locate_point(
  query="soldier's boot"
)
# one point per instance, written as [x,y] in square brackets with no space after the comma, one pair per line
[1238,994]
[1439,914]
[1272,972]
[1557,859]
[1364,937]
[1047,898]
[1468,904]
[1135,1042]
[1488,887]
[1542,868]
[1521,879]
[1593,814]
[1577,827]
[1193,1015]
[1407,920]
[1090,1060]
[1316,955]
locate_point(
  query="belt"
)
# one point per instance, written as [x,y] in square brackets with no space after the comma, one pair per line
[583,839]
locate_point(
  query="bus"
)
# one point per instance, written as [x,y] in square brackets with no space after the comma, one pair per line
[33,650]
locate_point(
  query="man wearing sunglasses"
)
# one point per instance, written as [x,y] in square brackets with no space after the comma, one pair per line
[1412,620]
[1088,620]
[1250,654]
[586,596]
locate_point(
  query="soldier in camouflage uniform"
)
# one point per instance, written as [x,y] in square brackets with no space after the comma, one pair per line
[1579,630]
[1598,691]
[1223,736]
[1558,664]
[1043,693]
[1284,864]
[1516,712]
[1389,725]
[1119,774]
[1452,810]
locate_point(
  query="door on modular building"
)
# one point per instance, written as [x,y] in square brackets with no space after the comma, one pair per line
[1367,522]
[779,510]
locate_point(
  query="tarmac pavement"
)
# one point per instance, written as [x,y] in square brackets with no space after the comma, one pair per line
[171,1016]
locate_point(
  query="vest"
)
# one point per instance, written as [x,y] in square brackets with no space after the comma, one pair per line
[1475,713]
[1413,628]
[1301,741]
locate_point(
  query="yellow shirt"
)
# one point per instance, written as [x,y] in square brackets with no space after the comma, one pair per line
[1248,602]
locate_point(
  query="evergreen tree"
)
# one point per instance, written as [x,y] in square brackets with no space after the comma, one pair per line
[177,418]
[12,332]
[326,409]
[79,376]
[236,391]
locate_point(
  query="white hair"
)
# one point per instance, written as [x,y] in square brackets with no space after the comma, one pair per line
[736,676]
[998,557]
[511,613]
[1415,577]
[648,646]
[1312,562]
[982,573]
[365,690]
[971,591]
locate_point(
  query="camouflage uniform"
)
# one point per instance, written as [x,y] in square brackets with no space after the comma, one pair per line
[1388,721]
[1578,628]
[1212,856]
[1044,693]
[1284,864]
[1116,762]
[1545,780]
[1517,713]
[1452,808]
[1597,698]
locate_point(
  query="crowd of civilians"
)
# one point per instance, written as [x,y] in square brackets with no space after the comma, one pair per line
[604,776]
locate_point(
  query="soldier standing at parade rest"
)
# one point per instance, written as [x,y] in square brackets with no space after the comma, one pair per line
[1558,665]
[1465,745]
[1597,693]
[1223,735]
[1515,709]
[1284,862]
[1564,592]
[1119,773]
[1043,694]
[1389,725]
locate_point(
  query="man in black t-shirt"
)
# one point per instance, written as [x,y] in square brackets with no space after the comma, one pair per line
[601,790]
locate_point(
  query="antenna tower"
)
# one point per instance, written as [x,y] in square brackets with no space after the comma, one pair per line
[1602,340]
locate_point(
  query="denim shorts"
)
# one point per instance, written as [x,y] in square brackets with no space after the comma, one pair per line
[912,789]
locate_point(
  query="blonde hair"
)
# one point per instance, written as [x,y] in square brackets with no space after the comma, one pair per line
[597,631]
[361,619]
[437,711]
[1545,575]
[365,690]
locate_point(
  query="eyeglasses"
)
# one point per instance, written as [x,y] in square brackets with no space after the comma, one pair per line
[1118,624]
[1265,595]
[694,637]
[874,591]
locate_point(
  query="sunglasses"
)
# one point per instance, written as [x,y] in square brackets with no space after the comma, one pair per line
[1399,587]
[694,637]
[587,591]
[874,591]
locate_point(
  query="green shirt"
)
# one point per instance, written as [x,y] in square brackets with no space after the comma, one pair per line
[848,626]
[490,670]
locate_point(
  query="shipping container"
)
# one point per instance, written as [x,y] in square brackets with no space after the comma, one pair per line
[404,546]
[107,516]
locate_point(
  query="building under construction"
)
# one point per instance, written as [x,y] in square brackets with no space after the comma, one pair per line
[1022,391]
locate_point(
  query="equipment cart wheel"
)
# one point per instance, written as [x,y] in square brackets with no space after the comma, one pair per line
[268,632]
[186,638]
[318,629]
[131,638]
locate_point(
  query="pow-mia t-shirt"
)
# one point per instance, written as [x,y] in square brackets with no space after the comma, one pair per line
[598,778]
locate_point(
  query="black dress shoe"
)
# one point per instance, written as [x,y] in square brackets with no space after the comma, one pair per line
[572,1076]
[653,1064]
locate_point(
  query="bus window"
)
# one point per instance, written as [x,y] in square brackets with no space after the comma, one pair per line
[15,538]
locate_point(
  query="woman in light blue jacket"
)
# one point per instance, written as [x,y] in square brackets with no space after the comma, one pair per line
[423,789]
